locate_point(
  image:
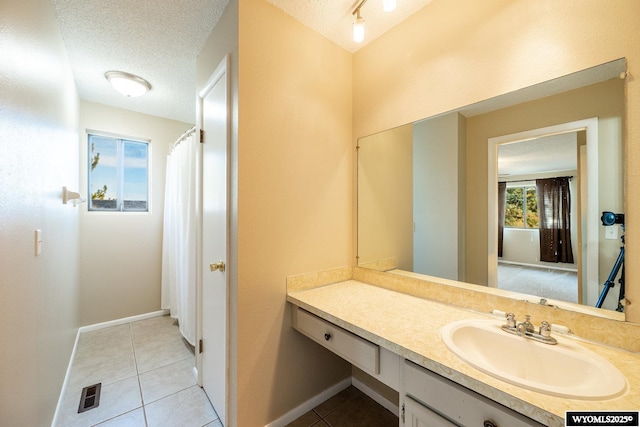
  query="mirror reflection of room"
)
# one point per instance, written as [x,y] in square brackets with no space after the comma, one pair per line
[428,190]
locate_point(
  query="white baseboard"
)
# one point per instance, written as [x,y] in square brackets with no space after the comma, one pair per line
[300,410]
[122,321]
[380,399]
[63,390]
[94,328]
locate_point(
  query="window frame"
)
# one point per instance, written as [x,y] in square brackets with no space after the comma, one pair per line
[525,186]
[120,173]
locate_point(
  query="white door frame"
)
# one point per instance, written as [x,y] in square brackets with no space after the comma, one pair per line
[591,127]
[222,71]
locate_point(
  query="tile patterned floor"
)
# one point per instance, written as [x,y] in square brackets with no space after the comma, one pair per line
[146,371]
[349,408]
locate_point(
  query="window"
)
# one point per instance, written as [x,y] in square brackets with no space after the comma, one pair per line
[521,209]
[118,174]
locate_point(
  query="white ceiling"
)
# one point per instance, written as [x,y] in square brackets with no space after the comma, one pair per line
[159,40]
[536,156]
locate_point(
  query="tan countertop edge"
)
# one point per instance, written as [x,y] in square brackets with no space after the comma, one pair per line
[395,321]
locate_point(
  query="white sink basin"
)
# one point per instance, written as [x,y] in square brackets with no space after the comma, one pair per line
[566,369]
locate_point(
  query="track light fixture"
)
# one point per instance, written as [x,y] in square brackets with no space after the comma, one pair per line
[358,28]
[358,24]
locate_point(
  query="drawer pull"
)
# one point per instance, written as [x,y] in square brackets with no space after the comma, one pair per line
[327,336]
[489,423]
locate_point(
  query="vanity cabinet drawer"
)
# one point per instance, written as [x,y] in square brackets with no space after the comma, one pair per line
[360,352]
[418,415]
[456,403]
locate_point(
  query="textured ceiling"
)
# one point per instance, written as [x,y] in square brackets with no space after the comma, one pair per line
[547,154]
[158,40]
[334,19]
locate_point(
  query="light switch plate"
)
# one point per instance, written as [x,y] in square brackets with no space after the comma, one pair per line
[611,233]
[38,242]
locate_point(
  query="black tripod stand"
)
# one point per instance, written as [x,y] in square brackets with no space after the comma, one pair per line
[610,281]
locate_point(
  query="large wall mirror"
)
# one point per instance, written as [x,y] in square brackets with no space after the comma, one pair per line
[469,194]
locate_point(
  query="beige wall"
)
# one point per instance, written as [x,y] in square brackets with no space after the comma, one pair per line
[433,63]
[386,229]
[38,156]
[294,202]
[121,253]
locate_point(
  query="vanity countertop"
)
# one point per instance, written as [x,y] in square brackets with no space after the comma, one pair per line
[410,327]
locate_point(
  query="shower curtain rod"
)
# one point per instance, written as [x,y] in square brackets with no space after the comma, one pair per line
[182,138]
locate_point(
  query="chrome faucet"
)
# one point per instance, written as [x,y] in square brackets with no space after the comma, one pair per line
[526,329]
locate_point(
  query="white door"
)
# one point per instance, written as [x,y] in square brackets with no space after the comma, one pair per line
[214,107]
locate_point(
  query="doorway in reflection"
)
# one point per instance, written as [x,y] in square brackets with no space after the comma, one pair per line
[538,236]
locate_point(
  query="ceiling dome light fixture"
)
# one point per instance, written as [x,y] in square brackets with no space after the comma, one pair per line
[127,84]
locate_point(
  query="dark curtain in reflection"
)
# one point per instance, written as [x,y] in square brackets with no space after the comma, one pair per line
[502,201]
[554,210]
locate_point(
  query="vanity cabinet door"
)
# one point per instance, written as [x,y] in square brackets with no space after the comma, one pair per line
[417,415]
[358,351]
[458,404]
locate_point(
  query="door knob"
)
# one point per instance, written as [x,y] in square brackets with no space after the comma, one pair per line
[214,266]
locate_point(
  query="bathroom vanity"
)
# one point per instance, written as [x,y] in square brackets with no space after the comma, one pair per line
[395,338]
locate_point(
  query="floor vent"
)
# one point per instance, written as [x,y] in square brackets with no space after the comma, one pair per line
[90,397]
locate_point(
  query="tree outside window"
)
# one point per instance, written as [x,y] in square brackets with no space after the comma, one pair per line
[118,174]
[521,208]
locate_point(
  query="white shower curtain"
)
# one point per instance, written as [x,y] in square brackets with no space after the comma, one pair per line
[179,234]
